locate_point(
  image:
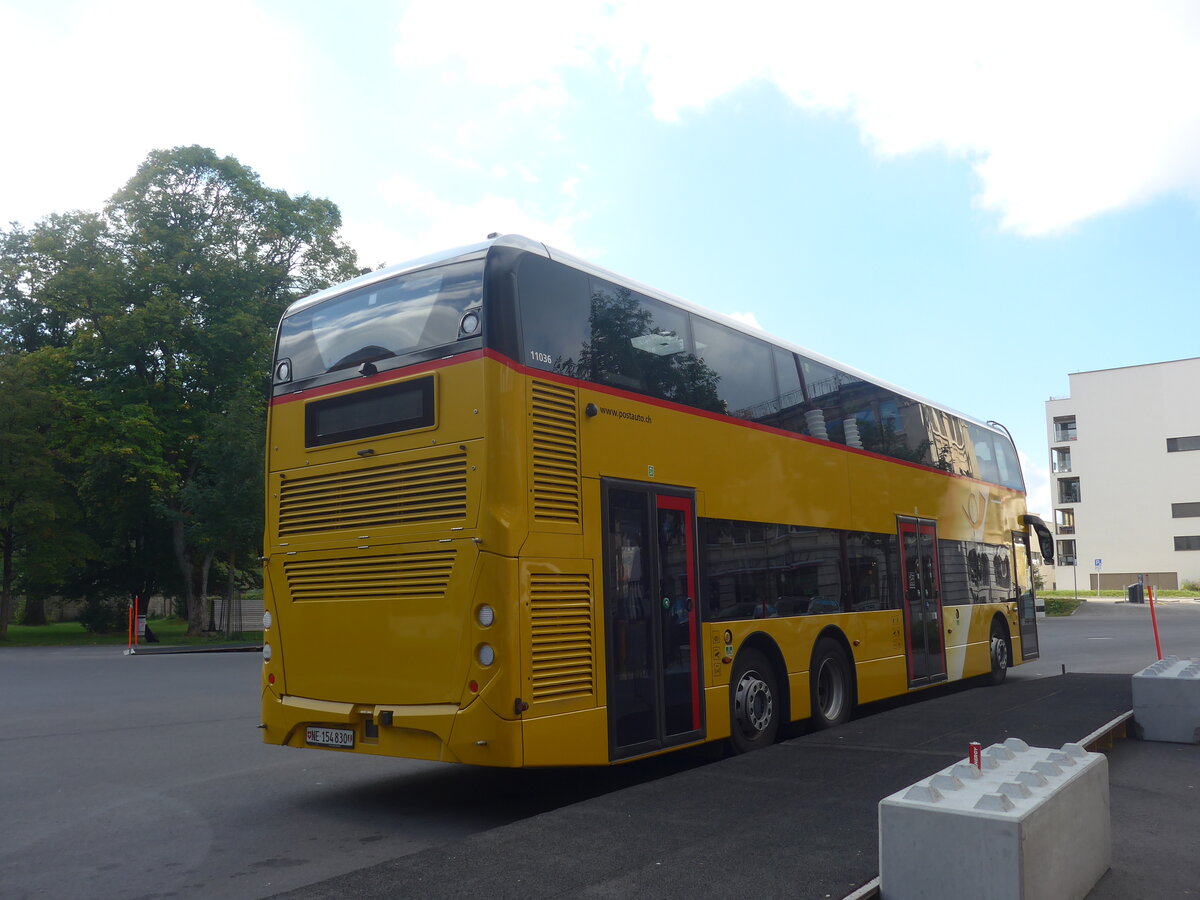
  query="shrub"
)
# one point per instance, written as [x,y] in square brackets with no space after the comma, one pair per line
[104,615]
[1191,586]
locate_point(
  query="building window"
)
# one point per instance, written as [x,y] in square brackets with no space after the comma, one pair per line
[1060,460]
[1066,553]
[1188,542]
[1185,510]
[1068,490]
[1179,444]
[1064,521]
[1064,428]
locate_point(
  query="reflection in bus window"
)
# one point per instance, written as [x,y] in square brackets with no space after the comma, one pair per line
[642,345]
[391,318]
[756,570]
[747,382]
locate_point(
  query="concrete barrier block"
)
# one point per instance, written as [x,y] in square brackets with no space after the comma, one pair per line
[1030,824]
[1166,701]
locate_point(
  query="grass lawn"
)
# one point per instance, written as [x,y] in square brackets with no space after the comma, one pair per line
[1117,595]
[71,634]
[1060,606]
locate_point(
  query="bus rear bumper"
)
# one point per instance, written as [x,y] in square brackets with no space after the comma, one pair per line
[441,732]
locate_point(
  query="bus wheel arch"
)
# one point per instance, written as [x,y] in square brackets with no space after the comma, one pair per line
[759,703]
[833,687]
[999,650]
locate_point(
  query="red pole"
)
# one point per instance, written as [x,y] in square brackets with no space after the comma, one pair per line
[136,613]
[1154,622]
[129,629]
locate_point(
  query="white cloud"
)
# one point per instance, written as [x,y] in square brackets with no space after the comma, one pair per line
[457,161]
[431,223]
[87,96]
[746,318]
[1065,110]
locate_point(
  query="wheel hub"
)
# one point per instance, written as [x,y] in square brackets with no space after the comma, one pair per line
[999,652]
[753,704]
[830,690]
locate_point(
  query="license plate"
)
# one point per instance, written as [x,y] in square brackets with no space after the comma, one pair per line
[329,737]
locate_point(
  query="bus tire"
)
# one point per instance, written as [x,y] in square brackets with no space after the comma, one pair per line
[998,651]
[755,703]
[830,686]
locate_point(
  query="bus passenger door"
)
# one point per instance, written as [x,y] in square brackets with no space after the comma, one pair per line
[652,627]
[922,601]
[1026,603]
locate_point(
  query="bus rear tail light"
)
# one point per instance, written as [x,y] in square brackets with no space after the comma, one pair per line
[485,616]
[485,654]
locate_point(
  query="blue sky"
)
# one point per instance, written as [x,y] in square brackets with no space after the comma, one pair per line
[969,200]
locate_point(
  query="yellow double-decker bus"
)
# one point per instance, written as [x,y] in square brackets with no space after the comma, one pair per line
[522,511]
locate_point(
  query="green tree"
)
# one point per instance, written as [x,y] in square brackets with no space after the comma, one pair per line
[210,258]
[37,510]
[166,306]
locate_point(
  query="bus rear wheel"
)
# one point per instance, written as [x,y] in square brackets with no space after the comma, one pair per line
[830,686]
[754,702]
[998,648]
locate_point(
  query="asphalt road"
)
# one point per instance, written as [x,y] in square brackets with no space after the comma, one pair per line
[144,776]
[1105,636]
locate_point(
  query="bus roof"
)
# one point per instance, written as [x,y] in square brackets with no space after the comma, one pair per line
[521,242]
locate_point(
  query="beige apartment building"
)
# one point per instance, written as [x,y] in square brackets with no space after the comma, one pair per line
[1125,476]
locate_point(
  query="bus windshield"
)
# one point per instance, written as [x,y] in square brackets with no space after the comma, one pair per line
[402,315]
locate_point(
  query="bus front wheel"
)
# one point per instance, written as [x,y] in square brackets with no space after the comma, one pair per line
[830,686]
[755,702]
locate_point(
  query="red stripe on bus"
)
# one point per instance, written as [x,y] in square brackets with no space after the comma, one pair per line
[684,505]
[530,371]
[718,417]
[381,378]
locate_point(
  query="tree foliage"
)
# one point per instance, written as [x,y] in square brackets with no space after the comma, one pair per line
[159,313]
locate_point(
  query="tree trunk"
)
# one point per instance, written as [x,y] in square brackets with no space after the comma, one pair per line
[6,579]
[230,585]
[205,607]
[187,572]
[35,611]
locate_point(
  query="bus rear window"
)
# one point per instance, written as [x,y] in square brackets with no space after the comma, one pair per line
[402,315]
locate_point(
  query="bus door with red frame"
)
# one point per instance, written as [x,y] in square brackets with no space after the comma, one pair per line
[651,618]
[922,601]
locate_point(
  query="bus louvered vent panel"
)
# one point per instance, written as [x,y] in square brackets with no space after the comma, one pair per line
[561,608]
[403,493]
[555,454]
[399,576]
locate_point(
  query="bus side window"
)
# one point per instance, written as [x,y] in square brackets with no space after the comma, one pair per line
[640,344]
[555,313]
[746,383]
